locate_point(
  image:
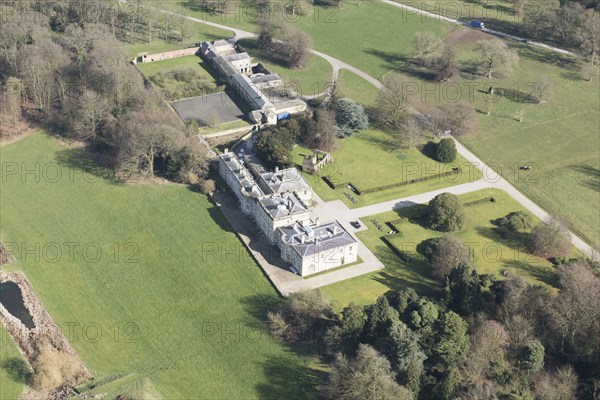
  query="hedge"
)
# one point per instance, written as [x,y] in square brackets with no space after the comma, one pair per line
[480,201]
[423,179]
[402,255]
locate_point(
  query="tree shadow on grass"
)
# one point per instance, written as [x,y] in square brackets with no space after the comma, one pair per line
[258,305]
[81,164]
[545,56]
[400,274]
[591,172]
[516,96]
[415,213]
[218,217]
[402,64]
[388,145]
[18,370]
[516,241]
[533,267]
[289,380]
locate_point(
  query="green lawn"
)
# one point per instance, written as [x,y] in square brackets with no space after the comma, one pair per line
[174,89]
[153,68]
[201,33]
[10,386]
[492,253]
[226,126]
[560,139]
[369,35]
[188,304]
[497,15]
[371,151]
[356,88]
[353,33]
[311,80]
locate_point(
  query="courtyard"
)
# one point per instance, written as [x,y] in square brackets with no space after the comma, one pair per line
[209,110]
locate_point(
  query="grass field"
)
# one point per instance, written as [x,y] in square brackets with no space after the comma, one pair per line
[560,138]
[175,89]
[153,68]
[10,388]
[201,33]
[353,86]
[176,299]
[493,254]
[372,150]
[497,15]
[341,33]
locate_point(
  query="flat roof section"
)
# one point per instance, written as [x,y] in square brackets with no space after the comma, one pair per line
[209,110]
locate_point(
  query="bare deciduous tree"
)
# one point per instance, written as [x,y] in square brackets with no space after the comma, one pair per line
[550,239]
[590,34]
[297,45]
[426,48]
[575,314]
[392,106]
[91,111]
[494,57]
[409,133]
[544,88]
[458,118]
[40,69]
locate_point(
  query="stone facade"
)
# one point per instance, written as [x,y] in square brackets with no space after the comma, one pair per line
[146,58]
[279,204]
[313,248]
[236,69]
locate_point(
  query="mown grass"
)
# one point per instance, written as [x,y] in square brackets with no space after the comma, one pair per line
[175,89]
[369,159]
[11,385]
[356,88]
[172,280]
[226,126]
[371,36]
[152,69]
[200,33]
[560,139]
[493,253]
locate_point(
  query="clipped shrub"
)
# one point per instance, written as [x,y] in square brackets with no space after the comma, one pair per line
[445,151]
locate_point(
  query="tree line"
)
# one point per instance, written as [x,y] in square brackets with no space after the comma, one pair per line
[79,80]
[480,338]
[484,339]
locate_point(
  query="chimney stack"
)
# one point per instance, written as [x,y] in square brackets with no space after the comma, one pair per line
[335,229]
[226,150]
[303,238]
[317,221]
[276,169]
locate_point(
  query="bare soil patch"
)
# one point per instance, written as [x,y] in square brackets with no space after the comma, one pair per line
[466,36]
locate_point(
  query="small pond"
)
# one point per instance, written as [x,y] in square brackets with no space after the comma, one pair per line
[12,299]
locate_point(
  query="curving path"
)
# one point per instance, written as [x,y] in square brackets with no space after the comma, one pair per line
[416,10]
[494,180]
